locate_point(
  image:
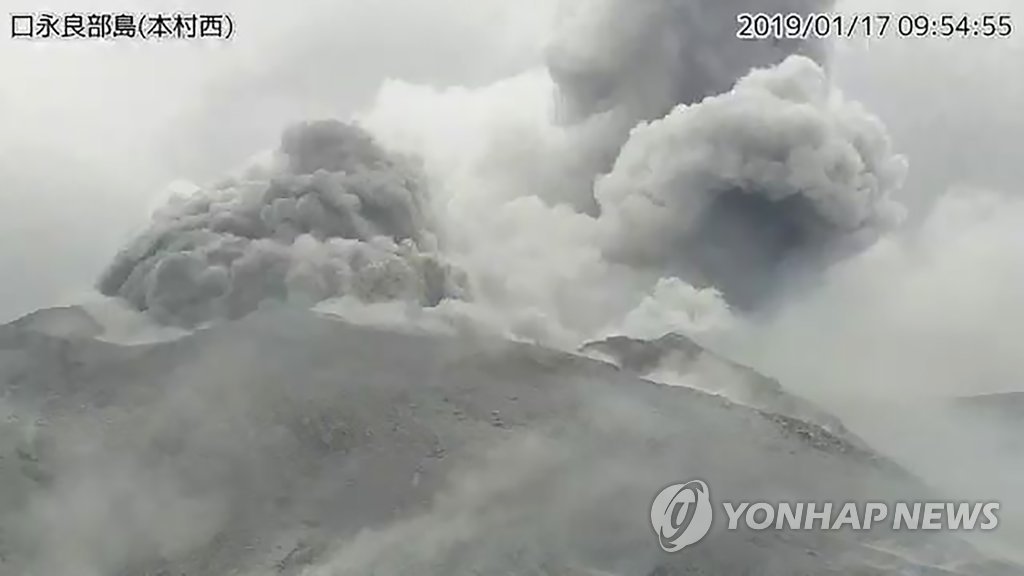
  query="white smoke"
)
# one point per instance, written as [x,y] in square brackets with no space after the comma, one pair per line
[892,341]
[500,168]
[675,306]
[724,194]
[930,311]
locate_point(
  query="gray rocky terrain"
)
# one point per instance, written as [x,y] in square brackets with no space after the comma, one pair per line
[290,443]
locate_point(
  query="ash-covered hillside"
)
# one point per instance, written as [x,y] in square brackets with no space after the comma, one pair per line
[290,443]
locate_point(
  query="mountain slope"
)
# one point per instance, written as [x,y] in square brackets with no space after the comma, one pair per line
[288,443]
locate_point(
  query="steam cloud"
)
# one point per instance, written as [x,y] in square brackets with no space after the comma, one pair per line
[332,215]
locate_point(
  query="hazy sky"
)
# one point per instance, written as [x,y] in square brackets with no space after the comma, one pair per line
[90,133]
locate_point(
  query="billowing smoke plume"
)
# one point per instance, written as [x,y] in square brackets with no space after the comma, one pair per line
[333,214]
[571,225]
[731,191]
[619,62]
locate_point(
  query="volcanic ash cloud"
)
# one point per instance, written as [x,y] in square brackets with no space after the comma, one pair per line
[331,215]
[744,186]
[643,58]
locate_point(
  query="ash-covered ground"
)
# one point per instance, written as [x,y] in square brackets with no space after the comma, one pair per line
[292,443]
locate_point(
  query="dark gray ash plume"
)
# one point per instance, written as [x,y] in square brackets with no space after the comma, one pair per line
[332,215]
[644,57]
[620,62]
[778,174]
